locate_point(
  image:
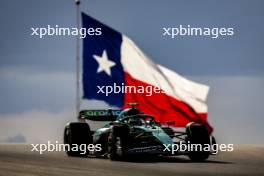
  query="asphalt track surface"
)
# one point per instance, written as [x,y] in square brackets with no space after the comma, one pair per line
[18,160]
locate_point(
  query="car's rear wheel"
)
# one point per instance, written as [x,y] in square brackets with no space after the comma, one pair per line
[118,142]
[198,135]
[75,135]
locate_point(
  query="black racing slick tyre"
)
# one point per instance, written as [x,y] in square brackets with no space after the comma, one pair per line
[118,142]
[198,134]
[75,135]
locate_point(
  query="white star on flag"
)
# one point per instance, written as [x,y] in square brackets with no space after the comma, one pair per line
[104,63]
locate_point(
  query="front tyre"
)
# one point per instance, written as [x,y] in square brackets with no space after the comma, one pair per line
[198,135]
[118,142]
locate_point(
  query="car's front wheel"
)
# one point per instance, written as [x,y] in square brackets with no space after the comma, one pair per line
[118,142]
[198,136]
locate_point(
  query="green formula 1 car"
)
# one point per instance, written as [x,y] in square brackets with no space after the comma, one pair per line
[131,133]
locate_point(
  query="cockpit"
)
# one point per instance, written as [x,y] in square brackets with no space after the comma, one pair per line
[139,120]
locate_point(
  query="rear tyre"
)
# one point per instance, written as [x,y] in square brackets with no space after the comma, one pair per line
[198,134]
[118,143]
[75,135]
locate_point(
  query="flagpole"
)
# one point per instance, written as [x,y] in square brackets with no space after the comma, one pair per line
[78,103]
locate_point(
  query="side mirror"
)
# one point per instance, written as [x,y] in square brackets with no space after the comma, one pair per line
[157,123]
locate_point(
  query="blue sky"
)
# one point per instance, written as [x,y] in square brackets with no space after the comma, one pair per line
[37,75]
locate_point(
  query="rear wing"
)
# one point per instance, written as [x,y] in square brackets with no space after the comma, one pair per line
[99,115]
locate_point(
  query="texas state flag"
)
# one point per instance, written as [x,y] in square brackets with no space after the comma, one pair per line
[113,58]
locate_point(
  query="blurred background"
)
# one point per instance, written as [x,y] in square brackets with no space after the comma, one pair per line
[37,76]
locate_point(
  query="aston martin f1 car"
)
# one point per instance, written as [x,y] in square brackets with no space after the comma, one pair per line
[130,133]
